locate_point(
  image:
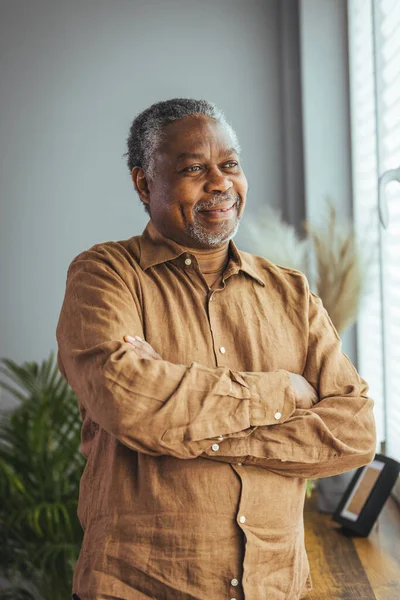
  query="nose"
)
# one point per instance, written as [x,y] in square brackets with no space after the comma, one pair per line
[217,182]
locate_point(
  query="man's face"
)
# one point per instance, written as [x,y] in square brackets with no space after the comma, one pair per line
[198,192]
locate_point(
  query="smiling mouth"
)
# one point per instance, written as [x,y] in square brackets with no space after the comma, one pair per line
[222,211]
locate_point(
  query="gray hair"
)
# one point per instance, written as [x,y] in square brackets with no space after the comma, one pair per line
[146,131]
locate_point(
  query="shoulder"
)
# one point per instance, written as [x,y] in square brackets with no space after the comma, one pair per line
[119,256]
[277,275]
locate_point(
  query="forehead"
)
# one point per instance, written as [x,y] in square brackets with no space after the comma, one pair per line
[195,134]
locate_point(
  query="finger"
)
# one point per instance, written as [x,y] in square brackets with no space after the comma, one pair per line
[149,348]
[142,352]
[146,355]
[138,346]
[138,341]
[145,347]
[130,338]
[135,341]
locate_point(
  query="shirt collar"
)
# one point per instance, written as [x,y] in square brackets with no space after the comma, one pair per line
[156,249]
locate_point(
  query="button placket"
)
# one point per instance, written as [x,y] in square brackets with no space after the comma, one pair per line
[215,322]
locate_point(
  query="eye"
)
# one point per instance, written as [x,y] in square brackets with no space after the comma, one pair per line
[231,164]
[192,169]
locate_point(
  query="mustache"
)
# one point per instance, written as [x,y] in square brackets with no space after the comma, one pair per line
[216,201]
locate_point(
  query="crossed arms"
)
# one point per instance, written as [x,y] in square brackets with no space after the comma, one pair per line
[157,407]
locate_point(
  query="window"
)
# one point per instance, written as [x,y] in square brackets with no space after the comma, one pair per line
[374,45]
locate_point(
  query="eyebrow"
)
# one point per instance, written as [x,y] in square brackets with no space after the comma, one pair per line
[199,155]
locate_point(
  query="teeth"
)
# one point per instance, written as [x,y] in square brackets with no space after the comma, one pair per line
[219,209]
[222,209]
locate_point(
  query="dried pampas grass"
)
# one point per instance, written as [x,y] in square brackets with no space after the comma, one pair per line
[334,262]
[267,235]
[341,268]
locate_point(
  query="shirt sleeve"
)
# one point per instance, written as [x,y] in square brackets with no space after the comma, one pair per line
[152,406]
[337,434]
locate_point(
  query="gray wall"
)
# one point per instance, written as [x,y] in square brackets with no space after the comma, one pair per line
[326,105]
[326,116]
[73,75]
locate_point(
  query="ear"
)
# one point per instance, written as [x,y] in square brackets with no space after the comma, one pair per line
[140,184]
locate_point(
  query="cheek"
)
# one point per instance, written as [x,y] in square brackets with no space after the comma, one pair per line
[243,185]
[185,196]
[176,210]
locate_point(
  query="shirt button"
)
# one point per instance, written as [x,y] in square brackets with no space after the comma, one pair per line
[277,416]
[215,447]
[242,519]
[239,464]
[220,438]
[188,261]
[222,350]
[234,582]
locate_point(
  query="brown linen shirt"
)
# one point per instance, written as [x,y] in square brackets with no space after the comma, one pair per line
[196,464]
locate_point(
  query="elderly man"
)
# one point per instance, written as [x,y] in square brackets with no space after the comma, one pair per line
[211,385]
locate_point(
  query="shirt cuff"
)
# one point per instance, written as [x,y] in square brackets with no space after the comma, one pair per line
[272,399]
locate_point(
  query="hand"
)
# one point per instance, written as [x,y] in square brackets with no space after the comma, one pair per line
[142,348]
[305,394]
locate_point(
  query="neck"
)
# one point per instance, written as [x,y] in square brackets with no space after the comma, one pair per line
[212,262]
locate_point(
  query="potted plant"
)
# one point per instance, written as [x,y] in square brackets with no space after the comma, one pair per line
[40,470]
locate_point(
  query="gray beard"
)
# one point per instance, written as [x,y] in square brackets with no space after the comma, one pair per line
[202,236]
[205,239]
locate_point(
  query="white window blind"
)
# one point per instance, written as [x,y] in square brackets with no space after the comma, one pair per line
[374,44]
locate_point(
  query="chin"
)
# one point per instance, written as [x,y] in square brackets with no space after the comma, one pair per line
[211,239]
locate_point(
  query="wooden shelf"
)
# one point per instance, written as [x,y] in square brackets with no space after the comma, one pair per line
[348,567]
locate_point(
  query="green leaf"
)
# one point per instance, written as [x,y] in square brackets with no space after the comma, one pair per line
[40,470]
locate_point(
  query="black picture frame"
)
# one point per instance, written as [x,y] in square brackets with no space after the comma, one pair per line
[366,495]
